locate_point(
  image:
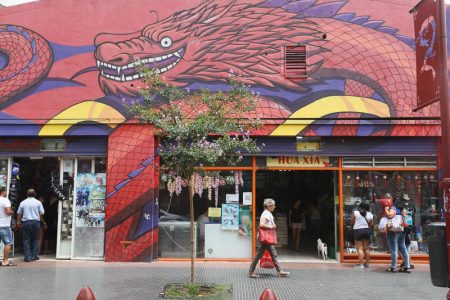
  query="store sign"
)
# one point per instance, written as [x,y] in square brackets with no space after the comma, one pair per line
[307,161]
[307,146]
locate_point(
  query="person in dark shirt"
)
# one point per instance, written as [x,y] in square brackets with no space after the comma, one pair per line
[296,223]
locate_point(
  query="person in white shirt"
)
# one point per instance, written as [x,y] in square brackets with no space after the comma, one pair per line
[362,221]
[29,217]
[5,227]
[266,222]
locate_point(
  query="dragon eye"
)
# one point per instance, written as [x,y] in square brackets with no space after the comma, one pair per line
[166,42]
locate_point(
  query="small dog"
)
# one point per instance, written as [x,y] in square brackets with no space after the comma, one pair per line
[322,249]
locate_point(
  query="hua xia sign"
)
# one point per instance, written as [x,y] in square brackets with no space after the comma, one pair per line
[299,161]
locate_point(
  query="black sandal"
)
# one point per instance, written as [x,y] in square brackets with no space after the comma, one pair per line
[404,270]
[391,269]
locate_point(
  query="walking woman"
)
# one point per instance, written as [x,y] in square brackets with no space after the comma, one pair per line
[266,222]
[296,223]
[362,221]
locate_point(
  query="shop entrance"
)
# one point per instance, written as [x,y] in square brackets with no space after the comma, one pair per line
[37,173]
[312,218]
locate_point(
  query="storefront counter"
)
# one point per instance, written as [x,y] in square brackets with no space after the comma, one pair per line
[226,243]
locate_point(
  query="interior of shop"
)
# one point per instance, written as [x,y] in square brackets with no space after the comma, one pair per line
[300,223]
[37,173]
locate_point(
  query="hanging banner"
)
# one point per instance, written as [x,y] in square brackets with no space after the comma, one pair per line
[426,27]
[299,161]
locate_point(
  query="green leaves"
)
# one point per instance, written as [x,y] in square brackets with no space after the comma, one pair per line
[198,129]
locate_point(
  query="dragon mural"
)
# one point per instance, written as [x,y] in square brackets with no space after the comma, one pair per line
[361,78]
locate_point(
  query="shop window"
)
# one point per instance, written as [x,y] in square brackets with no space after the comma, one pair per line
[390,162]
[84,165]
[418,191]
[222,230]
[295,61]
[53,145]
[100,165]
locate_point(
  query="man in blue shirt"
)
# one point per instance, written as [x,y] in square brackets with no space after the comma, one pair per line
[29,216]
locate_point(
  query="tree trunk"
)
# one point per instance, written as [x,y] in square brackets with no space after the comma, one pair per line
[191,213]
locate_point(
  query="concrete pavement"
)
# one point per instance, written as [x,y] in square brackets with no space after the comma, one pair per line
[52,279]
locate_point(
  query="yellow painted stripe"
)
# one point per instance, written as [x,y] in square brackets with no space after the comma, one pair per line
[82,112]
[330,105]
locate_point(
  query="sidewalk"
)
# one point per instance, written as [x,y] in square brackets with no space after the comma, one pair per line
[51,279]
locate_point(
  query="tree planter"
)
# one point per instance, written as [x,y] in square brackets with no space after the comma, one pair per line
[203,291]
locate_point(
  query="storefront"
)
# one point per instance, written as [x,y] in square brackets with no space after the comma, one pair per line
[69,176]
[330,187]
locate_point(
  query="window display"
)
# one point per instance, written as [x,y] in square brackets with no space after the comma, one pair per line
[221,204]
[415,192]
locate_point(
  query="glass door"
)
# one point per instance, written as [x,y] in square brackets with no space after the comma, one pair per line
[89,208]
[336,216]
[65,209]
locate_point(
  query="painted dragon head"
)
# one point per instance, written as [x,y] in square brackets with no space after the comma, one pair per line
[206,42]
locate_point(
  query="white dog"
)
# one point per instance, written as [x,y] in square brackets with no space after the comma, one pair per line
[321,249]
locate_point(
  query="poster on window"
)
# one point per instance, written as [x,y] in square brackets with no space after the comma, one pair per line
[230,216]
[245,221]
[90,200]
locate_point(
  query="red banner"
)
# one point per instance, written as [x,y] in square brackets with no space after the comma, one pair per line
[426,27]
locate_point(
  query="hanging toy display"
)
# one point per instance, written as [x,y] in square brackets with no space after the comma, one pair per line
[366,181]
[175,184]
[348,180]
[357,182]
[207,184]
[56,186]
[419,194]
[408,182]
[238,181]
[14,186]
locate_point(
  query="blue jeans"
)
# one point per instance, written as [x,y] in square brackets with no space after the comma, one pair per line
[396,242]
[30,232]
[6,236]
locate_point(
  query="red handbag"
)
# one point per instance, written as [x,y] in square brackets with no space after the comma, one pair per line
[266,261]
[268,236]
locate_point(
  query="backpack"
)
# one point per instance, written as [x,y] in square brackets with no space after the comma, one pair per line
[407,218]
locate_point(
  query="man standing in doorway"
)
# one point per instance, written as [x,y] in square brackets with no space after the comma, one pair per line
[29,215]
[5,227]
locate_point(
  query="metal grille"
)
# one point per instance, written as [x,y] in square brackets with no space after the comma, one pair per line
[390,162]
[295,61]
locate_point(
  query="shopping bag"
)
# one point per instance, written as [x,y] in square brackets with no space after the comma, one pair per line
[266,261]
[268,236]
[394,224]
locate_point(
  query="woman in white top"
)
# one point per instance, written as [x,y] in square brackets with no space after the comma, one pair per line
[266,221]
[362,221]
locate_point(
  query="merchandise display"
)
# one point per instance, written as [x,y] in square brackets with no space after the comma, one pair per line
[416,192]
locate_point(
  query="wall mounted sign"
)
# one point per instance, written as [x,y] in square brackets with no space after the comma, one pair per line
[307,146]
[306,161]
[232,198]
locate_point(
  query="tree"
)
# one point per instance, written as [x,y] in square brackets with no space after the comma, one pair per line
[197,129]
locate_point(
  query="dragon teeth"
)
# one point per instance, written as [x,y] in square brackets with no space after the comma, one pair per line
[123,78]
